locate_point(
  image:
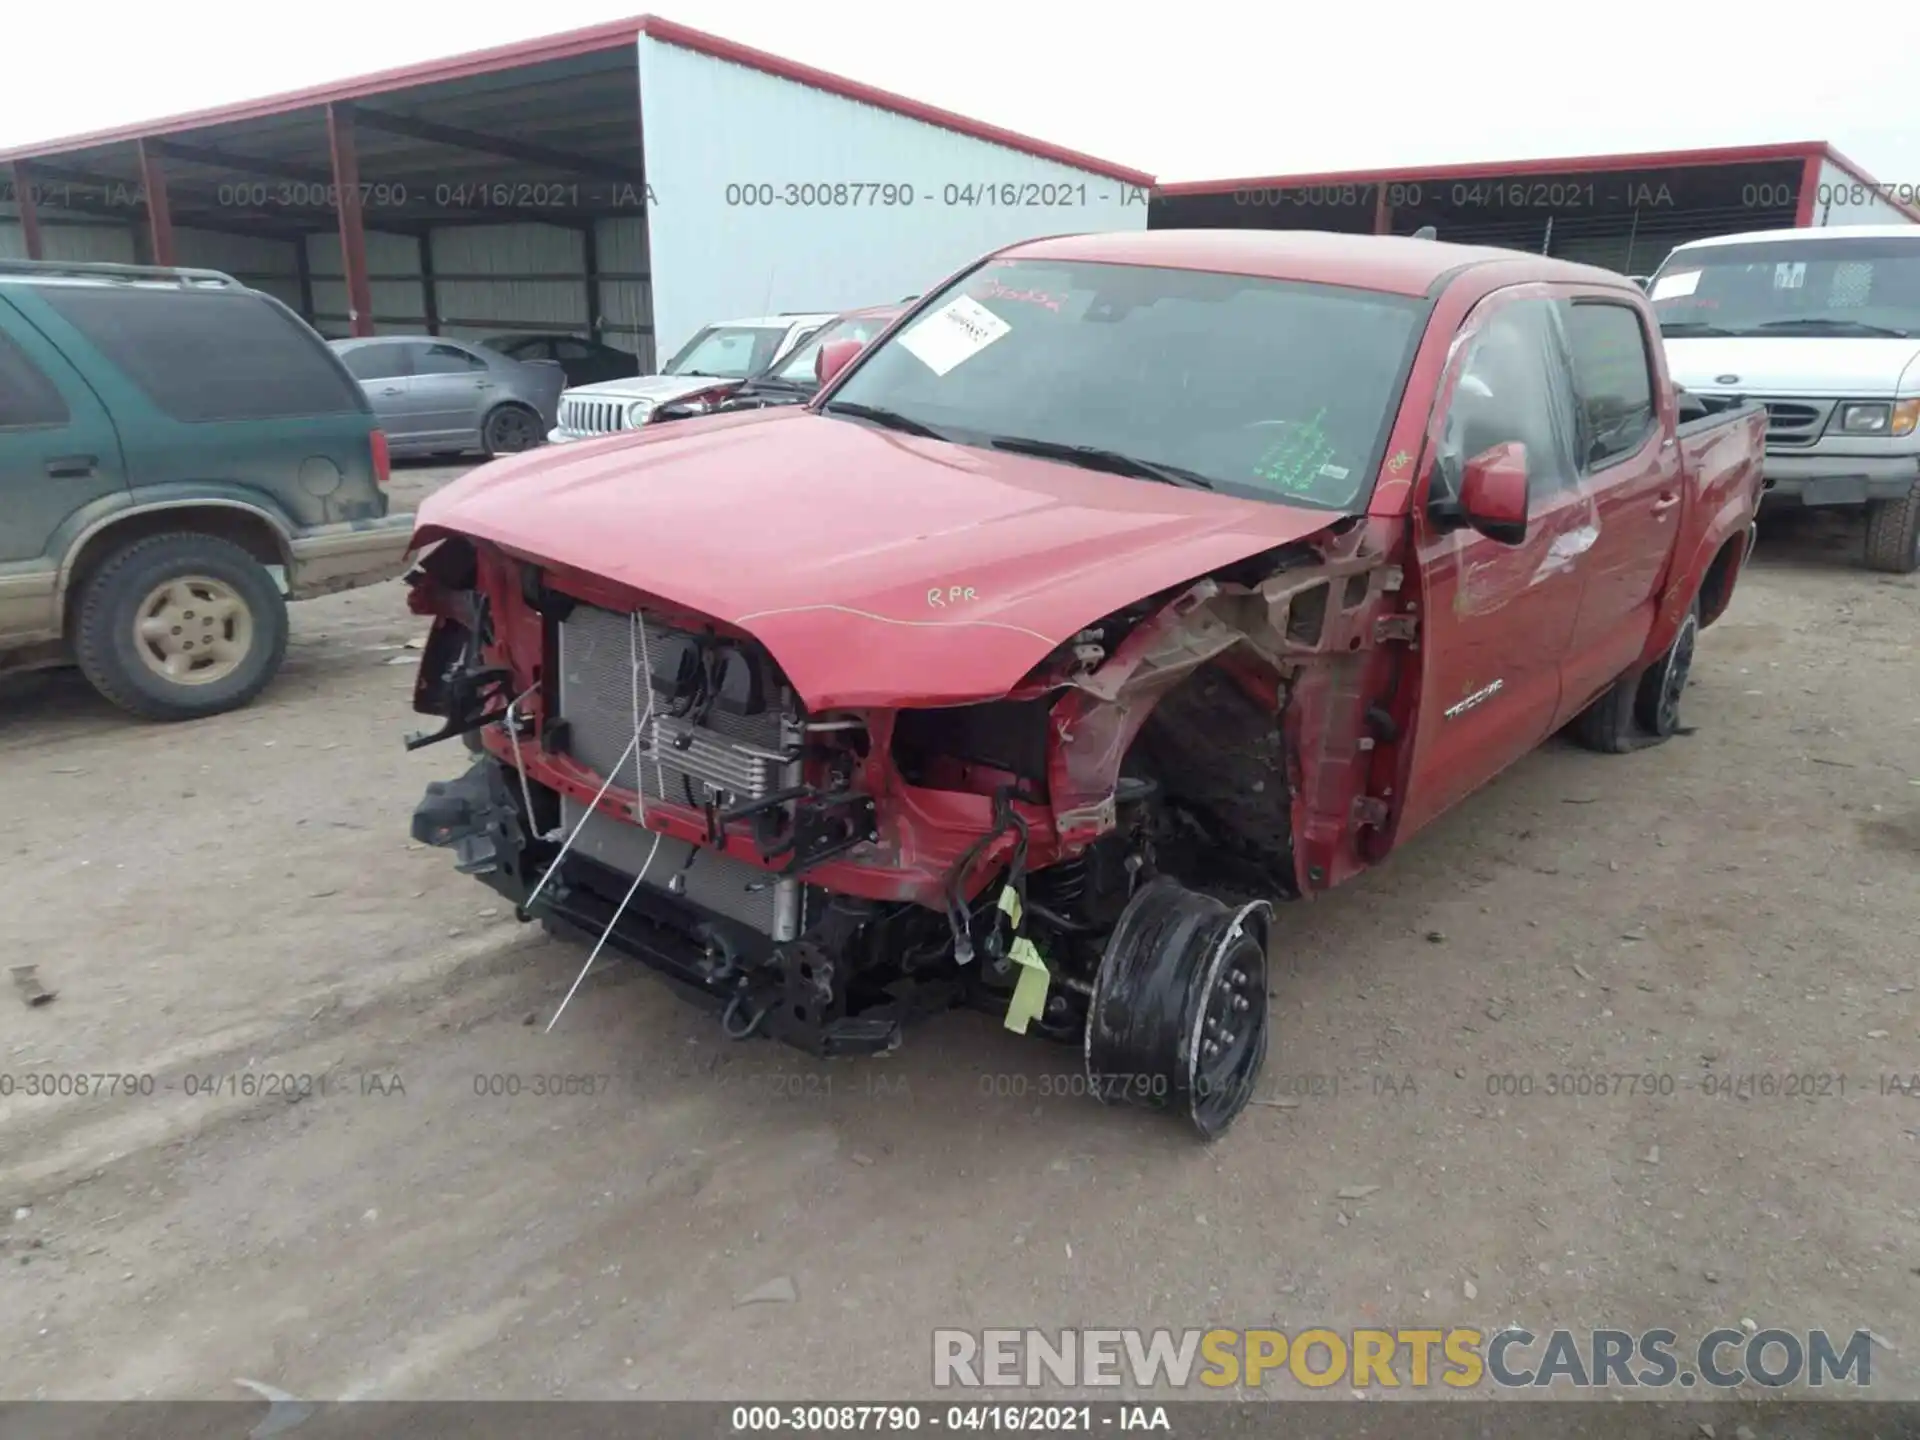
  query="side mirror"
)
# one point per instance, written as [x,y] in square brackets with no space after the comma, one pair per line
[833,357]
[1493,493]
[1643,281]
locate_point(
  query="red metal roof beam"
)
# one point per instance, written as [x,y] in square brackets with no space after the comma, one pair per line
[24,207]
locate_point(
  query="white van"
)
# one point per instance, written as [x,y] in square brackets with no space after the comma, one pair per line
[1823,325]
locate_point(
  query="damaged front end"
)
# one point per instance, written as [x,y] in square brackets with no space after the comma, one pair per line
[1090,856]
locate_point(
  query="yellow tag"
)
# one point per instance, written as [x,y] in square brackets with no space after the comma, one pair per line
[1010,902]
[1030,991]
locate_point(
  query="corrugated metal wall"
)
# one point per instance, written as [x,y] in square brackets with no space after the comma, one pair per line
[1844,199]
[490,279]
[708,125]
[269,265]
[76,241]
[393,267]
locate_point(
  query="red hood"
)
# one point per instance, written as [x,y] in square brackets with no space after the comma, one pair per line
[826,538]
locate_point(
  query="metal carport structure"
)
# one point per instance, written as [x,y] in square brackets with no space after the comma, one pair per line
[1621,211]
[590,182]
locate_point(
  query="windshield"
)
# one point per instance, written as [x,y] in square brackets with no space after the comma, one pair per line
[1261,388]
[730,352]
[798,368]
[1802,285]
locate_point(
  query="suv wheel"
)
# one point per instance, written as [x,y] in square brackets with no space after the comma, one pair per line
[1893,534]
[174,627]
[511,429]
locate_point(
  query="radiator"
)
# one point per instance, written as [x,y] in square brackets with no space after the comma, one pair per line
[726,760]
[739,891]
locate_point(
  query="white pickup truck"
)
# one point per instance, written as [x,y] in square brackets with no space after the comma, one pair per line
[1823,326]
[717,358]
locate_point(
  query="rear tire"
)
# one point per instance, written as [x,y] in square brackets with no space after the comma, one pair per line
[1893,534]
[1656,700]
[1642,708]
[1607,724]
[510,430]
[179,626]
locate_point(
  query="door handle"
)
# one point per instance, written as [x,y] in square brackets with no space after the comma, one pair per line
[67,467]
[392,390]
[1665,502]
[483,384]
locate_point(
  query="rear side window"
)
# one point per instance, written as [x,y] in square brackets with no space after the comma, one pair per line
[444,360]
[376,362]
[201,355]
[27,397]
[1610,371]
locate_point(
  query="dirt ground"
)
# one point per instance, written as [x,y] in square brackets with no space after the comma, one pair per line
[225,902]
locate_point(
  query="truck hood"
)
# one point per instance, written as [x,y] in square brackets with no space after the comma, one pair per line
[657,388]
[877,568]
[1818,367]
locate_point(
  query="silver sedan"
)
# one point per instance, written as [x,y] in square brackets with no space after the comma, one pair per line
[433,396]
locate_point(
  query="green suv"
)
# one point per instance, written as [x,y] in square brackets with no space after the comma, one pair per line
[179,456]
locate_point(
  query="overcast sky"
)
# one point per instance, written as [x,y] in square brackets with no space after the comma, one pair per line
[1192,90]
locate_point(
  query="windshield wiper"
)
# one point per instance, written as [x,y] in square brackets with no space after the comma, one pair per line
[1093,457]
[1850,327]
[1693,327]
[892,419]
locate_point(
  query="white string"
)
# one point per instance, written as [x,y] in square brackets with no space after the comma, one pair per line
[579,824]
[513,740]
[636,661]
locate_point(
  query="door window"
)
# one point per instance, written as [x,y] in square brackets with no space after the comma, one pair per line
[28,399]
[1615,383]
[377,362]
[1515,385]
[444,360]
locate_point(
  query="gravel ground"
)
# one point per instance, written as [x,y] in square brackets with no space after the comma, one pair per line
[236,900]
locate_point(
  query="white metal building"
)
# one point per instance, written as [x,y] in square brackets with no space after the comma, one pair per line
[631,182]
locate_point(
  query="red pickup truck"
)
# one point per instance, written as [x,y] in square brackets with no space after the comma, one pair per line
[1127,584]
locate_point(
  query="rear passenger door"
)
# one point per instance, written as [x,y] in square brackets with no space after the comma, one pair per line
[385,375]
[1630,466]
[452,389]
[58,452]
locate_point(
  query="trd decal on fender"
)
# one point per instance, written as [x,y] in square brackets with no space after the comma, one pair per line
[1478,697]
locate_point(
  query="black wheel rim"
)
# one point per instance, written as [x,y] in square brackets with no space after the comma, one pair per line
[512,431]
[1229,1042]
[1679,666]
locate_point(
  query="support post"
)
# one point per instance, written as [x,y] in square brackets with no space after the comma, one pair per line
[23,203]
[353,235]
[303,271]
[429,302]
[590,262]
[1382,213]
[153,182]
[1809,193]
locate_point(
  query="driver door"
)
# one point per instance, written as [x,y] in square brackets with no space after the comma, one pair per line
[1497,619]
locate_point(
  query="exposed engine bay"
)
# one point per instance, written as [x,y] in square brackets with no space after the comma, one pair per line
[1091,857]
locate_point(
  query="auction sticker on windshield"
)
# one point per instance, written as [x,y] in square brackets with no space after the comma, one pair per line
[956,331]
[1668,286]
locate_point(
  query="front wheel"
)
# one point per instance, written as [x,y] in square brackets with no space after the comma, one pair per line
[175,627]
[511,429]
[1178,1017]
[1893,534]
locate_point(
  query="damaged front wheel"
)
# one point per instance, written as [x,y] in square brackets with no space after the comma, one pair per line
[1178,1018]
